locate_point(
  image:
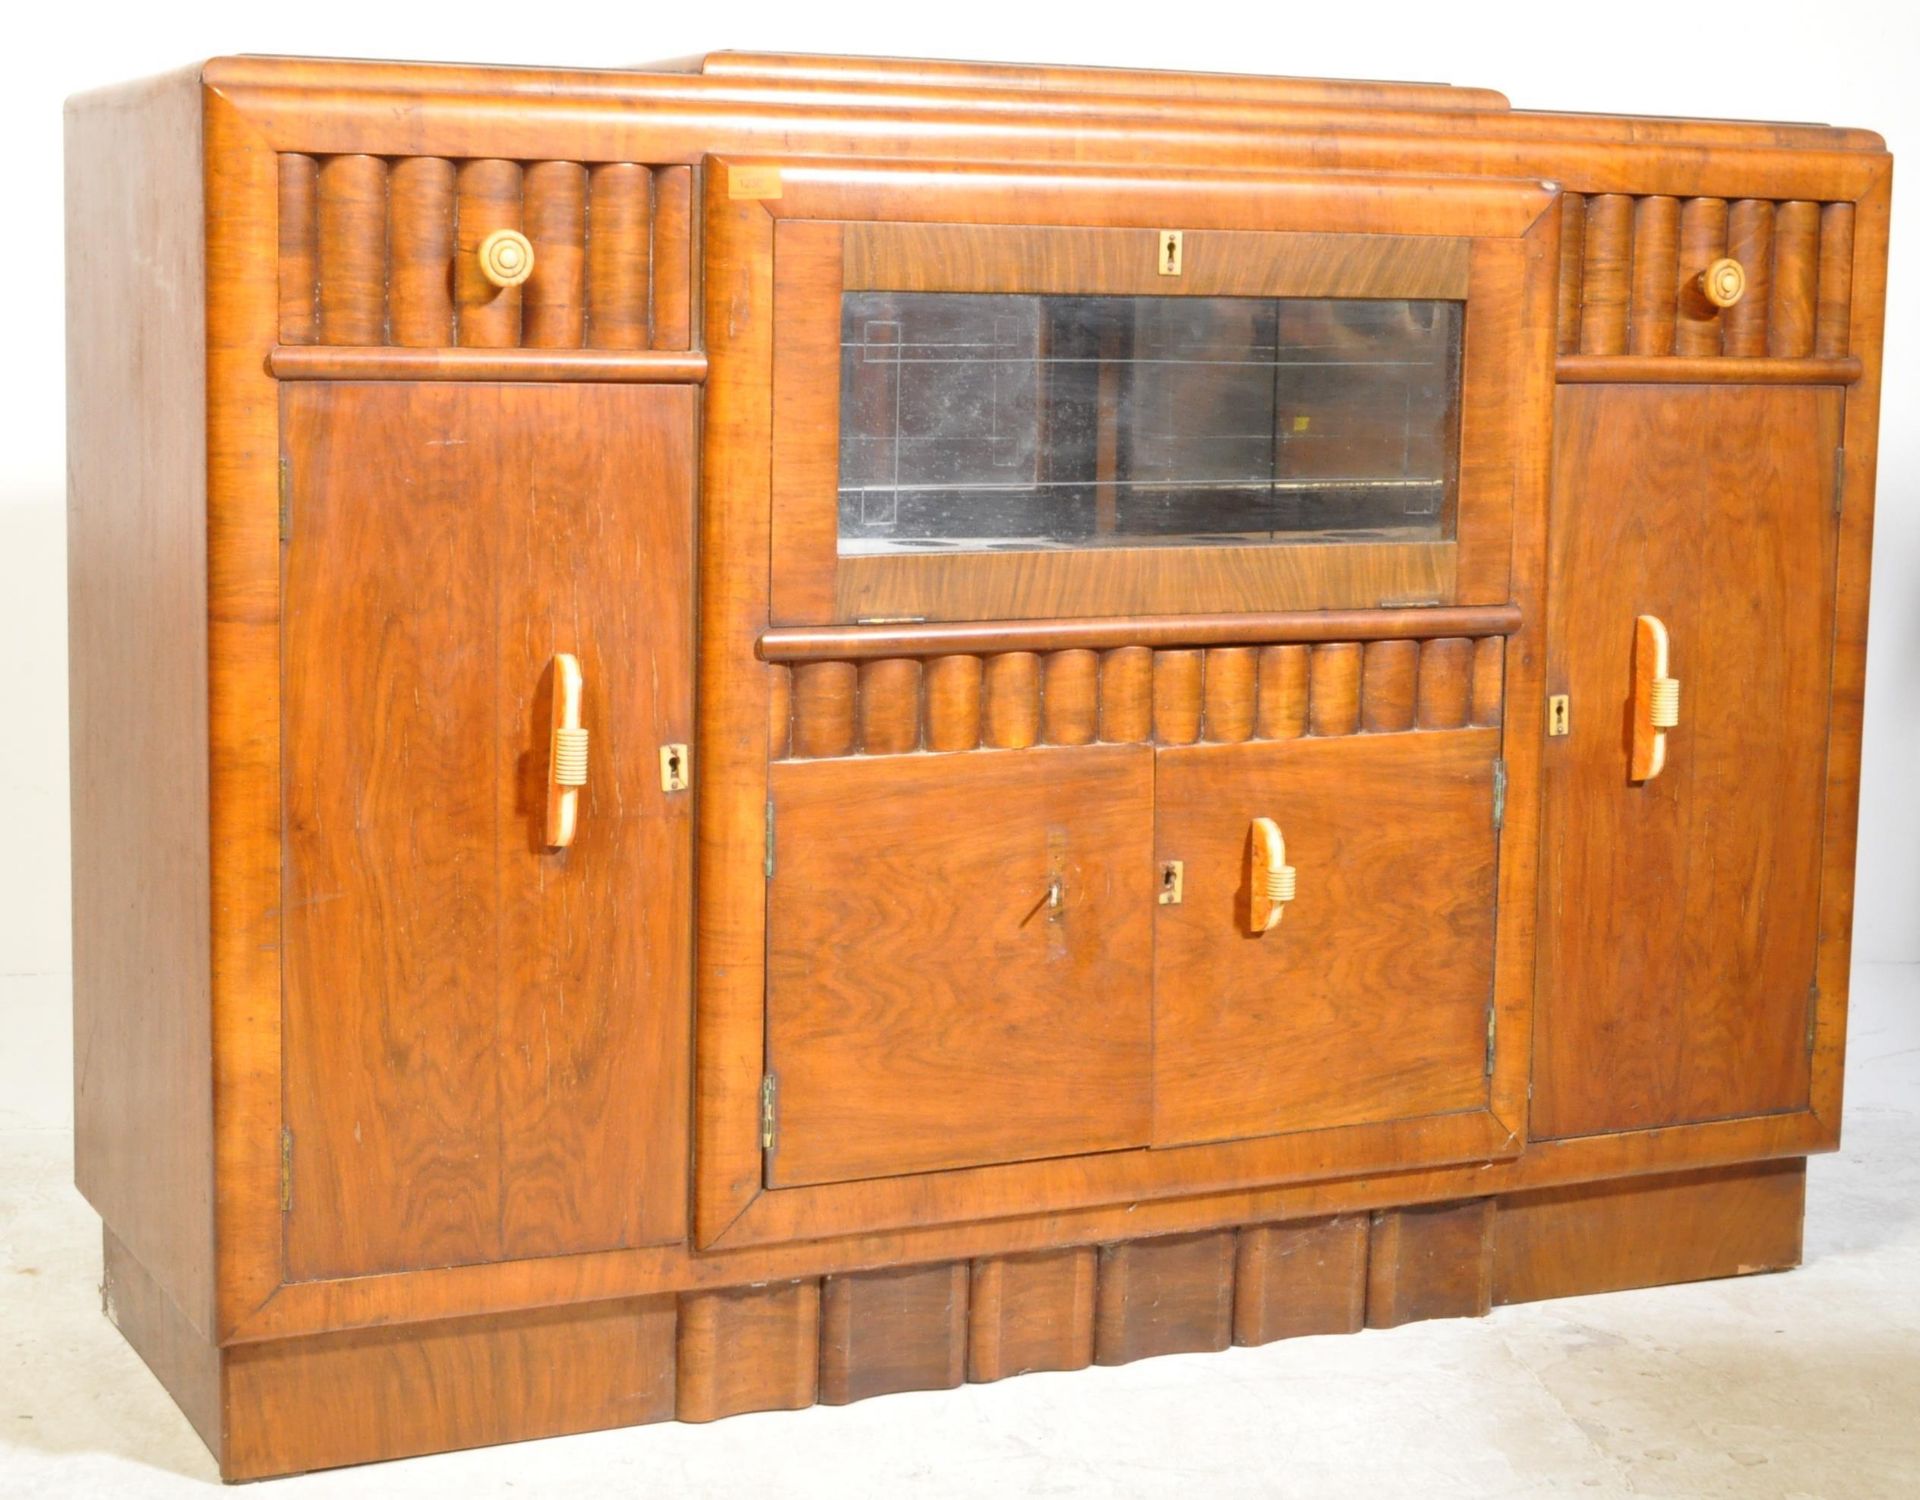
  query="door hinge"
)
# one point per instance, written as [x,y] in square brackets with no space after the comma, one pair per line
[1839,477]
[1493,1021]
[1813,1013]
[766,1111]
[769,838]
[286,1169]
[286,499]
[1499,793]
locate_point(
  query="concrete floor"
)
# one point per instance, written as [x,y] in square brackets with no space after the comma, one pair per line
[1806,1384]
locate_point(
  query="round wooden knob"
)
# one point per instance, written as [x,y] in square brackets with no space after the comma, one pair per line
[506,258]
[1724,282]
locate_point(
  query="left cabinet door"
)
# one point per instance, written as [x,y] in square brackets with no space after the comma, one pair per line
[484,1038]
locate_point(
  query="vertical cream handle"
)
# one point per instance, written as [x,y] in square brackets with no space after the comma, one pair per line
[1270,879]
[567,754]
[1656,698]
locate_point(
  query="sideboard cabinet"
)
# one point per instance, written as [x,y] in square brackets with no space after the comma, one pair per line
[785,728]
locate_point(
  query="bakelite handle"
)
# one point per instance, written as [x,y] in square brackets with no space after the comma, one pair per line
[567,752]
[1271,881]
[1656,698]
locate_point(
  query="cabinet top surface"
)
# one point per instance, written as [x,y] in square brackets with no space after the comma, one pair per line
[812,86]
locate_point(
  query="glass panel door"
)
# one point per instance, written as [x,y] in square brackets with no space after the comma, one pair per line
[981,422]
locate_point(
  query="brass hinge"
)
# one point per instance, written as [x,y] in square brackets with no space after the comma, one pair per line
[1499,793]
[766,1112]
[1839,478]
[286,1169]
[769,838]
[1492,1024]
[286,500]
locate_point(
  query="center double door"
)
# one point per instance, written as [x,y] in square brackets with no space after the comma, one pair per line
[1004,956]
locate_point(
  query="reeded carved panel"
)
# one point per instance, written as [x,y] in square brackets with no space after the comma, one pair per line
[1132,695]
[1631,268]
[386,251]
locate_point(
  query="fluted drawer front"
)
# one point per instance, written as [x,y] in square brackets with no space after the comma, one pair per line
[389,251]
[1631,273]
[1132,695]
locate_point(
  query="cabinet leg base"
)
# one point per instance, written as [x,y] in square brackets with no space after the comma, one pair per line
[334,1399]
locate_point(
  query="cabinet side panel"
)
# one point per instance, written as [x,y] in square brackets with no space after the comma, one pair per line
[137,607]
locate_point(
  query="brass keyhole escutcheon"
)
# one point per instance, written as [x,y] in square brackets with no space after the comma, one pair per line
[1173,877]
[674,773]
[1170,252]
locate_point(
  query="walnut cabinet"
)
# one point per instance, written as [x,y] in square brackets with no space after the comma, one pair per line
[784,728]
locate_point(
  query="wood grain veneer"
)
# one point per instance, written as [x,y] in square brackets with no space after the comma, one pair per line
[274,258]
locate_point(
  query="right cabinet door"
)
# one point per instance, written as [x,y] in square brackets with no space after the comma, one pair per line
[1678,915]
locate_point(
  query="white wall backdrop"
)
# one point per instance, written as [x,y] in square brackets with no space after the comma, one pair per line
[1848,63]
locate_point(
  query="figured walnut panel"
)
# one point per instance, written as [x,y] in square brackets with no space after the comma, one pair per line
[1012,700]
[1683,995]
[380,251]
[1630,276]
[480,1031]
[894,1330]
[425,1388]
[957,960]
[1649,1231]
[1368,1003]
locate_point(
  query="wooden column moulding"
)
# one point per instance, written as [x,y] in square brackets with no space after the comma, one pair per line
[1434,1261]
[1283,692]
[1164,1296]
[887,1331]
[1012,715]
[299,249]
[953,702]
[1221,695]
[421,243]
[1605,272]
[1126,695]
[554,304]
[620,217]
[1031,1312]
[1834,291]
[1291,1280]
[1070,697]
[891,1016]
[352,217]
[749,1349]
[1387,675]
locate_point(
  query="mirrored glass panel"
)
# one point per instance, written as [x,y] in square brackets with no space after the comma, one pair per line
[977,422]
